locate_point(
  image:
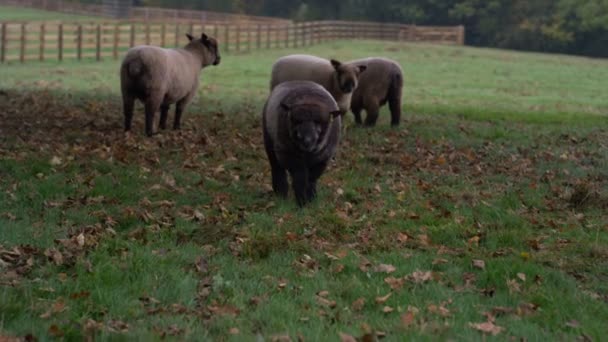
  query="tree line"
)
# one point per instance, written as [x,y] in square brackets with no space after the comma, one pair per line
[564,26]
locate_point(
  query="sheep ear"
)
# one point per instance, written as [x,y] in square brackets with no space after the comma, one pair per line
[362,68]
[204,38]
[335,63]
[190,38]
[334,114]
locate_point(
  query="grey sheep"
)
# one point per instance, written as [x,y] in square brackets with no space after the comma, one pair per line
[382,82]
[161,77]
[340,79]
[301,123]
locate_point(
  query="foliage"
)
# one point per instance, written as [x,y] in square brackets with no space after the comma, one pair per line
[571,26]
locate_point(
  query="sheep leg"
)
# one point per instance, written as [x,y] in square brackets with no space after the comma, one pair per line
[128,103]
[164,112]
[356,108]
[373,109]
[313,175]
[299,178]
[179,109]
[279,174]
[151,106]
[394,99]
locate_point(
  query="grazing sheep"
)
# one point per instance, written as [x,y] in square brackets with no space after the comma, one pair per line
[382,82]
[340,79]
[301,123]
[160,77]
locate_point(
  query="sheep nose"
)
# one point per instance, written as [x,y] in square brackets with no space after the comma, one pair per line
[217,60]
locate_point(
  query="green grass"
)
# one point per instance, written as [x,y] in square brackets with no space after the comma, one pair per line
[11,13]
[501,157]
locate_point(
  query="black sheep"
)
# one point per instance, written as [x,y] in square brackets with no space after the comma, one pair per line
[301,123]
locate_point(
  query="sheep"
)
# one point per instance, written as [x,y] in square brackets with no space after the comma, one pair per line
[160,77]
[340,79]
[382,82]
[301,123]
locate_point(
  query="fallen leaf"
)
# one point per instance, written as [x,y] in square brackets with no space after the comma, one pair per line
[438,261]
[234,331]
[383,299]
[346,338]
[385,268]
[438,310]
[55,331]
[387,309]
[521,276]
[326,302]
[407,319]
[419,277]
[338,268]
[402,237]
[323,293]
[513,286]
[487,327]
[573,324]
[479,264]
[55,161]
[358,304]
[395,283]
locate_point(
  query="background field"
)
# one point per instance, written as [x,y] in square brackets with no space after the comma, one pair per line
[30,14]
[501,158]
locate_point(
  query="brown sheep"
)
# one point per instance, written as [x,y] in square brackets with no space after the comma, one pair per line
[340,79]
[160,77]
[382,82]
[301,123]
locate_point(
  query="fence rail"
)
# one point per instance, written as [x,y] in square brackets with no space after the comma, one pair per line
[55,40]
[141,13]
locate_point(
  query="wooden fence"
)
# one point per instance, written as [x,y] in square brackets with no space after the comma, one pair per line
[142,13]
[28,41]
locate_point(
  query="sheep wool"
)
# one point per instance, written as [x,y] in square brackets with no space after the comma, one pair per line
[161,77]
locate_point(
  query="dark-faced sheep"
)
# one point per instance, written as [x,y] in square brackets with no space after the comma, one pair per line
[161,77]
[301,123]
[340,79]
[382,82]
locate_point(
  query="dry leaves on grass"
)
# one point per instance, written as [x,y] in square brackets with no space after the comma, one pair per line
[487,328]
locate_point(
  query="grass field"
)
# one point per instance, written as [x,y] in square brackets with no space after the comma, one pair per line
[484,215]
[30,14]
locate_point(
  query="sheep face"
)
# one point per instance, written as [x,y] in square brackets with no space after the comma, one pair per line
[307,124]
[347,75]
[207,47]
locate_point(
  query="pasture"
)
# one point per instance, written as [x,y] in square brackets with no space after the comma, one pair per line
[484,215]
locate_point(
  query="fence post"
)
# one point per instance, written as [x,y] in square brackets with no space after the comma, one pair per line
[215,31]
[22,46]
[116,40]
[3,44]
[259,37]
[79,42]
[176,33]
[162,35]
[42,36]
[60,42]
[147,33]
[461,35]
[287,35]
[98,43]
[238,38]
[248,37]
[227,37]
[267,36]
[132,36]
